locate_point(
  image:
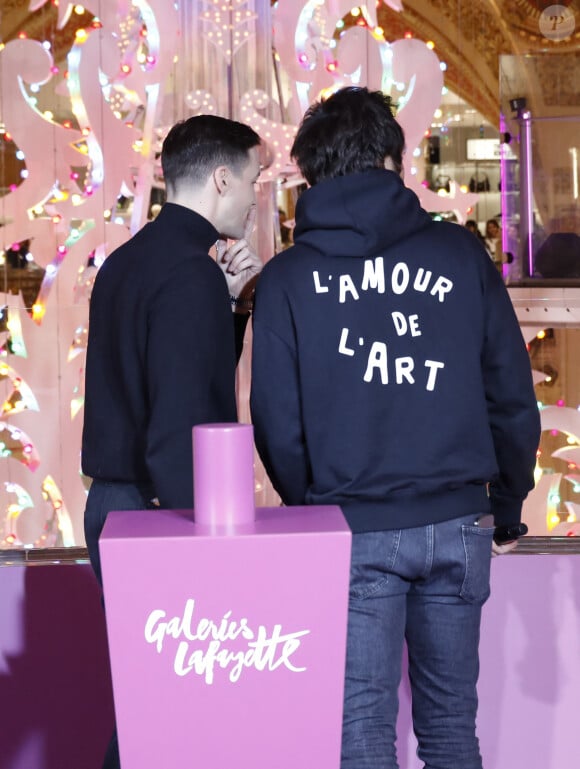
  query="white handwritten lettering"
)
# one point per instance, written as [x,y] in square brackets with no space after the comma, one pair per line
[403,369]
[377,360]
[263,651]
[346,284]
[402,324]
[374,275]
[442,286]
[342,348]
[422,279]
[400,278]
[404,366]
[433,366]
[381,363]
[318,287]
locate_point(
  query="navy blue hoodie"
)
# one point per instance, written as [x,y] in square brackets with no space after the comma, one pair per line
[389,372]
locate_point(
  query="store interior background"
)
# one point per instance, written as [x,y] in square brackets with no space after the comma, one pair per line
[87,94]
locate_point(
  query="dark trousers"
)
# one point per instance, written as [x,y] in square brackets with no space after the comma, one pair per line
[105,496]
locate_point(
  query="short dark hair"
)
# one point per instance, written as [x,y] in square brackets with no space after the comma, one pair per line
[193,148]
[353,130]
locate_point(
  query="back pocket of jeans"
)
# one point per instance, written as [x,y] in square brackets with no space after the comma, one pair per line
[477,546]
[372,559]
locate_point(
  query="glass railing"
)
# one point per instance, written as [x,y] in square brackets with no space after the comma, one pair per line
[540,169]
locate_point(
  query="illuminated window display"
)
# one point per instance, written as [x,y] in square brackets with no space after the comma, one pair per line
[87,94]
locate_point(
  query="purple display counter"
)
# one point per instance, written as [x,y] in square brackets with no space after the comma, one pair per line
[56,701]
[227,639]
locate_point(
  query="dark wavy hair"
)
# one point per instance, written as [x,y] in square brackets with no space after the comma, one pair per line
[353,130]
[193,148]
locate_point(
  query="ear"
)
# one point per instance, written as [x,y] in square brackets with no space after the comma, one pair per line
[221,179]
[389,165]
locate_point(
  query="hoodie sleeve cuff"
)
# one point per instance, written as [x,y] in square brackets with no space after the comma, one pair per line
[506,510]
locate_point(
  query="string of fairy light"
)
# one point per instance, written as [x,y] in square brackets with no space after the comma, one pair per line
[13,441]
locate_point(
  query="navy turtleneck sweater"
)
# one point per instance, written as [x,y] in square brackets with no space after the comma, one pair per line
[161,356]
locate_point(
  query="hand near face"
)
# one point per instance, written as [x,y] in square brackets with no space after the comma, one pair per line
[241,265]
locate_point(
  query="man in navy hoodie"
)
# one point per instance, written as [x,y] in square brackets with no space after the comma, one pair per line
[390,377]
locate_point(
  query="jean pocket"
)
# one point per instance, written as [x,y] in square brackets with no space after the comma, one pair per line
[372,559]
[477,546]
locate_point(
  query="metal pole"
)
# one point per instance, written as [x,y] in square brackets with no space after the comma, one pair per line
[526,193]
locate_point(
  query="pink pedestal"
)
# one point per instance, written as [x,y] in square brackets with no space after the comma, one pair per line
[223,468]
[227,650]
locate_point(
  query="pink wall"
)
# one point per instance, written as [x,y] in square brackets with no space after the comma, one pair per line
[530,666]
[55,696]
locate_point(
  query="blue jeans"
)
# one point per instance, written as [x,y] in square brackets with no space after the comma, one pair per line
[103,497]
[425,585]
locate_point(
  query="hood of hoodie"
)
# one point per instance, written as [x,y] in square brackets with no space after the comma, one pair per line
[359,214]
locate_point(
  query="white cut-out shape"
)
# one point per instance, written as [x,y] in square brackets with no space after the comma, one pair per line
[531,332]
[122,154]
[228,25]
[14,325]
[57,516]
[278,136]
[56,435]
[65,9]
[537,505]
[538,376]
[566,529]
[78,344]
[16,444]
[27,62]
[18,501]
[313,35]
[102,130]
[562,418]
[301,37]
[574,479]
[536,508]
[201,102]
[407,68]
[21,396]
[569,454]
[414,66]
[396,5]
[573,509]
